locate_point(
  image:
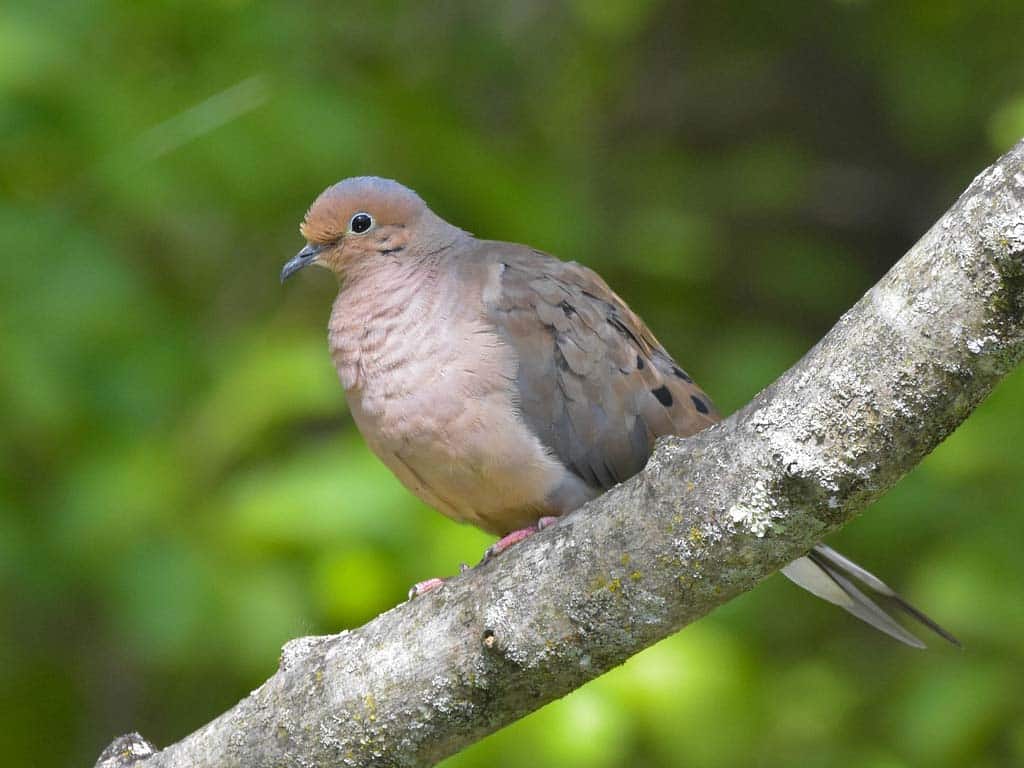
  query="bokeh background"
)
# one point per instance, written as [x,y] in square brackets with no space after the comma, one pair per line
[181,488]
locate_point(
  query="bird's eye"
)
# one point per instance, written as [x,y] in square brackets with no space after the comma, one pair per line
[360,223]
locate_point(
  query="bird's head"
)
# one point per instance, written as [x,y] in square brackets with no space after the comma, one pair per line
[363,219]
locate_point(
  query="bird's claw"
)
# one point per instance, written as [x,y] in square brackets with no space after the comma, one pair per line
[513,538]
[421,588]
[506,541]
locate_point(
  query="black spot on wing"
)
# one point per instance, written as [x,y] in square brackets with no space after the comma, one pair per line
[621,327]
[567,308]
[639,363]
[664,396]
[699,404]
[680,373]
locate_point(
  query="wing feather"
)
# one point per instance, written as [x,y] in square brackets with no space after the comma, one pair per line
[593,382]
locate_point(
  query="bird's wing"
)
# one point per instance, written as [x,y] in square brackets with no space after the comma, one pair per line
[593,382]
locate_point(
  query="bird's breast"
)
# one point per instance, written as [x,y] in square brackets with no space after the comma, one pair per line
[431,388]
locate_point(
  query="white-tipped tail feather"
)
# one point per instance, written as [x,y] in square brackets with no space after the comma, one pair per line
[829,575]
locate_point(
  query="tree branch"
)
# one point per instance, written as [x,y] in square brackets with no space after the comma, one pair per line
[707,519]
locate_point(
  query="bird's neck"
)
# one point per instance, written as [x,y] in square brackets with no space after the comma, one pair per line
[380,317]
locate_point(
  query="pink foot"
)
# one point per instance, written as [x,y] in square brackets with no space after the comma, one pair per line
[422,587]
[510,539]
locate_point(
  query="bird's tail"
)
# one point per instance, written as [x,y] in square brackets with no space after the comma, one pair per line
[831,576]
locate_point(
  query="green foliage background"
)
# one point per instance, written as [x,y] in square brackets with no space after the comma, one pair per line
[181,489]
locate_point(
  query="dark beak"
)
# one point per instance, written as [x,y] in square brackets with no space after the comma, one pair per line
[303,258]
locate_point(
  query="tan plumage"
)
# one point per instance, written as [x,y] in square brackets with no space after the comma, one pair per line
[499,383]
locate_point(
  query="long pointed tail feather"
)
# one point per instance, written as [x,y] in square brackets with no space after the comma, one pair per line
[829,575]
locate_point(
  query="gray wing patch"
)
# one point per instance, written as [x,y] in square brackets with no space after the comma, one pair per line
[593,383]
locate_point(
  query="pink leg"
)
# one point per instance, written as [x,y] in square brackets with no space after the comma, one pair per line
[506,541]
[509,539]
[422,587]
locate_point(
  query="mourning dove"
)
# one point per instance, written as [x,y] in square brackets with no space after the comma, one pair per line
[505,387]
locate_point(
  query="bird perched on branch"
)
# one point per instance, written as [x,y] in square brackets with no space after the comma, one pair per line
[505,387]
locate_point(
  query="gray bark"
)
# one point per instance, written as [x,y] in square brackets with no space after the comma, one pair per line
[709,518]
